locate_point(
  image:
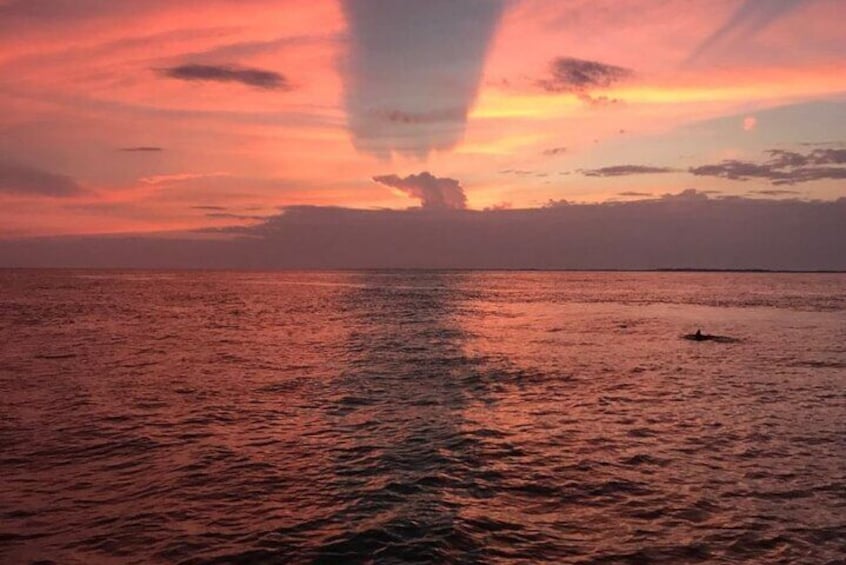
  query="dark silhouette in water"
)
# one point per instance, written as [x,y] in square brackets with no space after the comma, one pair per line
[699,336]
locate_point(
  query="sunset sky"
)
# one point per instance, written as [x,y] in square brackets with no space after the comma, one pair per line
[163,116]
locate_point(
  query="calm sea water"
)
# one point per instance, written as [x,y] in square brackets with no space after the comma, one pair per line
[386,417]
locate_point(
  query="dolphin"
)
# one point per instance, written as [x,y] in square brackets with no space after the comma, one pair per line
[699,336]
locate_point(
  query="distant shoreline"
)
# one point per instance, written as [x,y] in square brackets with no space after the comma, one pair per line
[685,270]
[430,269]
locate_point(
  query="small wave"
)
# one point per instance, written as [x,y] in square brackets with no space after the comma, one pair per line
[820,364]
[644,459]
[56,356]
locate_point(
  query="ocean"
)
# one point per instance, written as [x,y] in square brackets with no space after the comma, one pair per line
[421,416]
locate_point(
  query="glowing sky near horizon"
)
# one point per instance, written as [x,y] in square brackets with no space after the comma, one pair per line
[125,117]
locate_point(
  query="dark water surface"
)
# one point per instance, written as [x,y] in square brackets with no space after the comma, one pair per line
[161,417]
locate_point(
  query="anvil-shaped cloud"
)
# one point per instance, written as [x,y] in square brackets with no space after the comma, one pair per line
[413,71]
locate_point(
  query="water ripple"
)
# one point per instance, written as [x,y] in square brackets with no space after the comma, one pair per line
[421,417]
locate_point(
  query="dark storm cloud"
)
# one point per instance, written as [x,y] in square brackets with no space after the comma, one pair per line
[678,230]
[413,70]
[580,77]
[29,181]
[434,193]
[783,167]
[142,149]
[625,170]
[258,78]
[751,17]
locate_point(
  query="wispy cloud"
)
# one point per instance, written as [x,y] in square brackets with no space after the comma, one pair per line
[750,18]
[142,149]
[625,170]
[775,192]
[258,78]
[234,216]
[179,177]
[434,193]
[816,157]
[783,167]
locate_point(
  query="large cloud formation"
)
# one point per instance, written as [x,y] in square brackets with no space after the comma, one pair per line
[434,193]
[413,71]
[688,229]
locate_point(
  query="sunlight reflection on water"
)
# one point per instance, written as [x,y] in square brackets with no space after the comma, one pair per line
[435,416]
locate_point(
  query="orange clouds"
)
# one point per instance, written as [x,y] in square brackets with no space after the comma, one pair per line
[249,103]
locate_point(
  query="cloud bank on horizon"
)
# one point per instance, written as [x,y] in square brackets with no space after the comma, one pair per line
[687,229]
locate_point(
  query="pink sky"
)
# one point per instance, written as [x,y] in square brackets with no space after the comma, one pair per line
[122,117]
